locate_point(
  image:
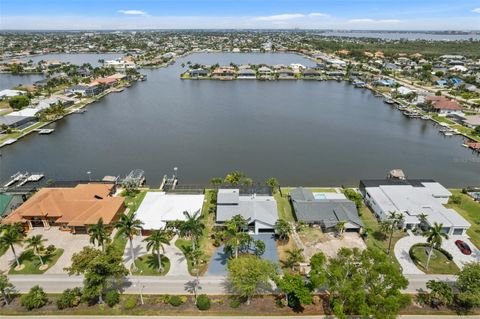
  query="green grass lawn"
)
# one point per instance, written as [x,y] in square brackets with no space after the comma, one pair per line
[284,207]
[375,238]
[32,262]
[134,199]
[470,210]
[147,265]
[439,263]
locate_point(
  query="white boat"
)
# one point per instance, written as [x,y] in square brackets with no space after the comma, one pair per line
[9,141]
[79,111]
[46,131]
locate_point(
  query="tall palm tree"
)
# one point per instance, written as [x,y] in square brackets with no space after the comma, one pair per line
[295,256]
[434,237]
[423,219]
[235,238]
[192,227]
[395,219]
[196,256]
[99,234]
[36,243]
[129,226]
[283,229]
[155,242]
[12,235]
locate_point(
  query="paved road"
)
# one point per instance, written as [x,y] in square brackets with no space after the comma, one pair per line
[170,285]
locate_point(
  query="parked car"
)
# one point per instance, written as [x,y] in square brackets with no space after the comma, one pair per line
[463,246]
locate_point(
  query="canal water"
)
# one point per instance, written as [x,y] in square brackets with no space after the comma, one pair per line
[302,132]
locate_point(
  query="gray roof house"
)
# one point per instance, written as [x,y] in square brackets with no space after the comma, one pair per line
[325,210]
[259,210]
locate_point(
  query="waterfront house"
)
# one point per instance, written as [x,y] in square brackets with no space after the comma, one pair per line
[246,74]
[71,209]
[263,70]
[325,209]
[385,82]
[471,121]
[196,73]
[224,72]
[285,73]
[84,90]
[108,82]
[48,102]
[413,198]
[159,208]
[5,94]
[443,105]
[260,211]
[41,83]
[16,121]
[120,65]
[311,73]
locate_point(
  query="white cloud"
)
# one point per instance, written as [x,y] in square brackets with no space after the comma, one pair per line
[132,12]
[477,10]
[281,17]
[372,21]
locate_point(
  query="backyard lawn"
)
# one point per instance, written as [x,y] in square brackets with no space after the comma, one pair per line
[470,210]
[134,199]
[32,262]
[284,207]
[147,265]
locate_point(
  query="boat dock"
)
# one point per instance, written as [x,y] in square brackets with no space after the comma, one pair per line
[35,177]
[19,179]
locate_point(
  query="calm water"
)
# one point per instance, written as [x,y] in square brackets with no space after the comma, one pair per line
[404,35]
[8,81]
[302,132]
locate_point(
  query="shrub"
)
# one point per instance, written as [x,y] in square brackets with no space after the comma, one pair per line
[235,303]
[203,302]
[112,297]
[130,303]
[69,298]
[19,102]
[455,199]
[34,299]
[175,301]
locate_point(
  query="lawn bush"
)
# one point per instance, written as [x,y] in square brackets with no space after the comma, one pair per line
[175,301]
[112,297]
[69,298]
[235,303]
[130,303]
[203,302]
[34,299]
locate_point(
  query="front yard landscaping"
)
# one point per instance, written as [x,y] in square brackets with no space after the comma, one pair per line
[147,265]
[440,263]
[470,210]
[31,262]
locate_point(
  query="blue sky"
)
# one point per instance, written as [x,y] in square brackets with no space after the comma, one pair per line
[323,14]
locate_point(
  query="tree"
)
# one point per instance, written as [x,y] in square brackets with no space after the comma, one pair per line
[155,242]
[259,247]
[5,287]
[340,227]
[273,183]
[36,244]
[283,229]
[354,197]
[234,235]
[101,270]
[34,299]
[129,226]
[423,219]
[468,284]
[297,291]
[295,256]
[99,234]
[440,293]
[364,283]
[12,235]
[395,219]
[19,102]
[234,178]
[477,130]
[249,275]
[216,181]
[434,238]
[192,227]
[196,256]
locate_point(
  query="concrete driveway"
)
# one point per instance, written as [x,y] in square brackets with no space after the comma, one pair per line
[403,245]
[218,262]
[178,262]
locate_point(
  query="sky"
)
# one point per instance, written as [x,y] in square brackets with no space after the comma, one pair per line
[240,14]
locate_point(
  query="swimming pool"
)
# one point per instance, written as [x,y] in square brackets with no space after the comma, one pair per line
[319,196]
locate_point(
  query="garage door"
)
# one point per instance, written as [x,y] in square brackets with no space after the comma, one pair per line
[266,231]
[458,231]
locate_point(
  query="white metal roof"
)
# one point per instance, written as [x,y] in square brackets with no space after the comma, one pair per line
[157,208]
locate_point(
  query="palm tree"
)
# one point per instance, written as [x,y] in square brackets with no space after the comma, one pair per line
[216,181]
[196,256]
[295,257]
[192,227]
[36,243]
[283,229]
[395,219]
[273,183]
[423,219]
[434,238]
[12,235]
[234,177]
[99,234]
[155,242]
[385,228]
[5,287]
[340,227]
[129,226]
[235,238]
